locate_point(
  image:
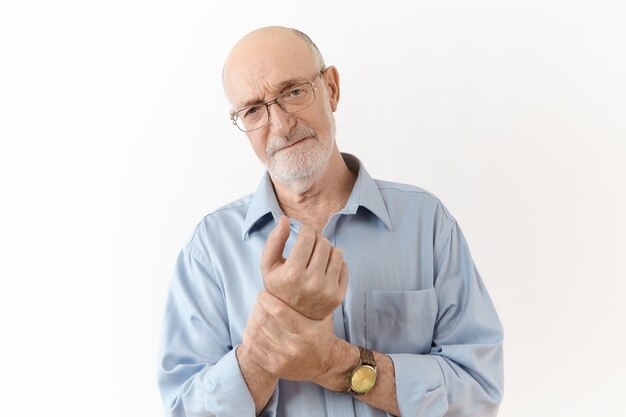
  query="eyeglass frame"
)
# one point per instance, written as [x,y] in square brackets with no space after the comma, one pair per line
[267,104]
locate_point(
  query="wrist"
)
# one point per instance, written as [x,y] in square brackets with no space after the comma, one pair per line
[261,384]
[250,369]
[342,358]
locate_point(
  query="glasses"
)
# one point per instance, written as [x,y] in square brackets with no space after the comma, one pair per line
[293,100]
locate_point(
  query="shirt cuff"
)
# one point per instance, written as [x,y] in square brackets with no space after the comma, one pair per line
[229,395]
[420,387]
[271,406]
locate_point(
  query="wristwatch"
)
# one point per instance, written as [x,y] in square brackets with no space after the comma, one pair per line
[363,377]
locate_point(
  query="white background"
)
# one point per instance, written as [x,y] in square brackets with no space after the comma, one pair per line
[115,141]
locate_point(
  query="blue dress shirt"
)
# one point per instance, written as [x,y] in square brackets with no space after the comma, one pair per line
[413,293]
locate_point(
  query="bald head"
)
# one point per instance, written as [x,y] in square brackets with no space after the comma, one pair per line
[266,53]
[314,50]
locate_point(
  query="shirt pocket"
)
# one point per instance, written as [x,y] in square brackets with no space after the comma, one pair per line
[400,321]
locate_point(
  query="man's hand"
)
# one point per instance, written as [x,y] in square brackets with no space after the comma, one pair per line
[313,280]
[291,346]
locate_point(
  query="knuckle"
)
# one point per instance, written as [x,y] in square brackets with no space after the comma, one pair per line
[261,320]
[307,229]
[280,361]
[266,304]
[336,255]
[279,310]
[270,366]
[324,243]
[280,364]
[333,268]
[262,298]
[307,234]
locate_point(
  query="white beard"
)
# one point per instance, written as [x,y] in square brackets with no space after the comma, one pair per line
[299,167]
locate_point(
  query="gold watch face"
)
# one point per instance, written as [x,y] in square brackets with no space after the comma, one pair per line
[363,379]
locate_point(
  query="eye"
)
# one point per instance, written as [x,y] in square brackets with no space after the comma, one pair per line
[252,112]
[296,92]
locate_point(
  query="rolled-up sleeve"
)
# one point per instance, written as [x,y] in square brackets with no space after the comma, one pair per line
[198,372]
[463,373]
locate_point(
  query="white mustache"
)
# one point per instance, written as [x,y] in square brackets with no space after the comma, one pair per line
[297,133]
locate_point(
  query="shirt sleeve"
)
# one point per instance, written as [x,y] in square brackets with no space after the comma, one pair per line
[198,372]
[462,376]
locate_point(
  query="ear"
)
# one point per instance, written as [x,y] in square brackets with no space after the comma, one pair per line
[331,78]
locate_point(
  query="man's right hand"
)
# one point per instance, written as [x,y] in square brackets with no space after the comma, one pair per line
[313,280]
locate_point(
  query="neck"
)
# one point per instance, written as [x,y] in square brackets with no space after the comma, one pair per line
[324,197]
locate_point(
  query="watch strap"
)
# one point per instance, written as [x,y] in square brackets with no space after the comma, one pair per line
[366,357]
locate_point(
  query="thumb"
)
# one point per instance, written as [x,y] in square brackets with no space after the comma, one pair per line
[275,245]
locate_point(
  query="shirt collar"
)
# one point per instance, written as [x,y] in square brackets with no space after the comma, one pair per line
[365,193]
[263,203]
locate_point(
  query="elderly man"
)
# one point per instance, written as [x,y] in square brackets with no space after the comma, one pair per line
[325,292]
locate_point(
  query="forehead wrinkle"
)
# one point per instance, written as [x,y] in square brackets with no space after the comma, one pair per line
[273,91]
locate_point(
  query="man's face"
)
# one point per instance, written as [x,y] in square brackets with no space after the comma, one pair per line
[295,148]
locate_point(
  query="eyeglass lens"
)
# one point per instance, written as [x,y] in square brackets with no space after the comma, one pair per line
[295,99]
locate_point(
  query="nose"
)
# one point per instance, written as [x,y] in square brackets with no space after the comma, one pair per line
[280,122]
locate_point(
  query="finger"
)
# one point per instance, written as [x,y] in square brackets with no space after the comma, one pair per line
[255,348]
[321,252]
[343,279]
[275,245]
[256,337]
[288,318]
[335,261]
[269,325]
[301,252]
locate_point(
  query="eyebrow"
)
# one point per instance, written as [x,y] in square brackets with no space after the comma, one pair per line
[281,86]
